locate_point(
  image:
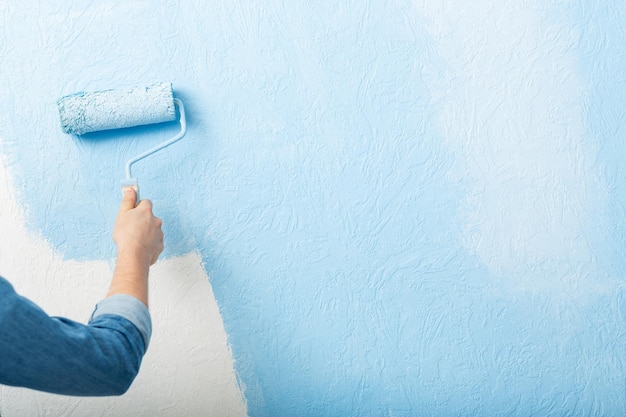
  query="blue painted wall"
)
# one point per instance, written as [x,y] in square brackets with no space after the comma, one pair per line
[404,208]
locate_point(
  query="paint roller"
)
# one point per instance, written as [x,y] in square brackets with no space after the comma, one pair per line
[116,109]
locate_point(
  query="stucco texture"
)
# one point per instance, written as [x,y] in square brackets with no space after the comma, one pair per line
[390,208]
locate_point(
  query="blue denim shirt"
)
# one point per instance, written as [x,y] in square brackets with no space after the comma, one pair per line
[65,357]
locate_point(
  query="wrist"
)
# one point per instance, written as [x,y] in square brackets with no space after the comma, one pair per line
[134,257]
[131,267]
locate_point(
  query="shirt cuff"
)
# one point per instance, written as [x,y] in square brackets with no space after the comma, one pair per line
[129,308]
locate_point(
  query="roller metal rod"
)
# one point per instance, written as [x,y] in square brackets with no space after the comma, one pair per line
[183,130]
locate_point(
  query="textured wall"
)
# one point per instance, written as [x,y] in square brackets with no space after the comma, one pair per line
[401,208]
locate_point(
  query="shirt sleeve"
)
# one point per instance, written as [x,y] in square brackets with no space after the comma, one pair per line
[128,307]
[62,356]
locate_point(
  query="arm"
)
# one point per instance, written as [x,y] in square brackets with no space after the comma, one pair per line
[137,233]
[64,357]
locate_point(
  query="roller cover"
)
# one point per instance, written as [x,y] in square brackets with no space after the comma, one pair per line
[114,109]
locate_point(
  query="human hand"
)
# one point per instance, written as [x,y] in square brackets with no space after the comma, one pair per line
[137,232]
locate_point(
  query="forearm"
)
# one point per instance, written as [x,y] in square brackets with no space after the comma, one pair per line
[130,277]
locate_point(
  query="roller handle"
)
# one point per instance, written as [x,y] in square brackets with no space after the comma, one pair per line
[132,183]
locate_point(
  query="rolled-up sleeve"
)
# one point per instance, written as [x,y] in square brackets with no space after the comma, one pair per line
[62,356]
[128,307]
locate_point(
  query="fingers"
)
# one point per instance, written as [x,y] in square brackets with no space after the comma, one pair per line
[128,200]
[153,240]
[137,231]
[145,203]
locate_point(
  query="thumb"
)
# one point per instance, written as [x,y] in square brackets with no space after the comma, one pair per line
[128,200]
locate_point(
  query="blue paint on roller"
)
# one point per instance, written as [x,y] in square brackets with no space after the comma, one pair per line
[114,109]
